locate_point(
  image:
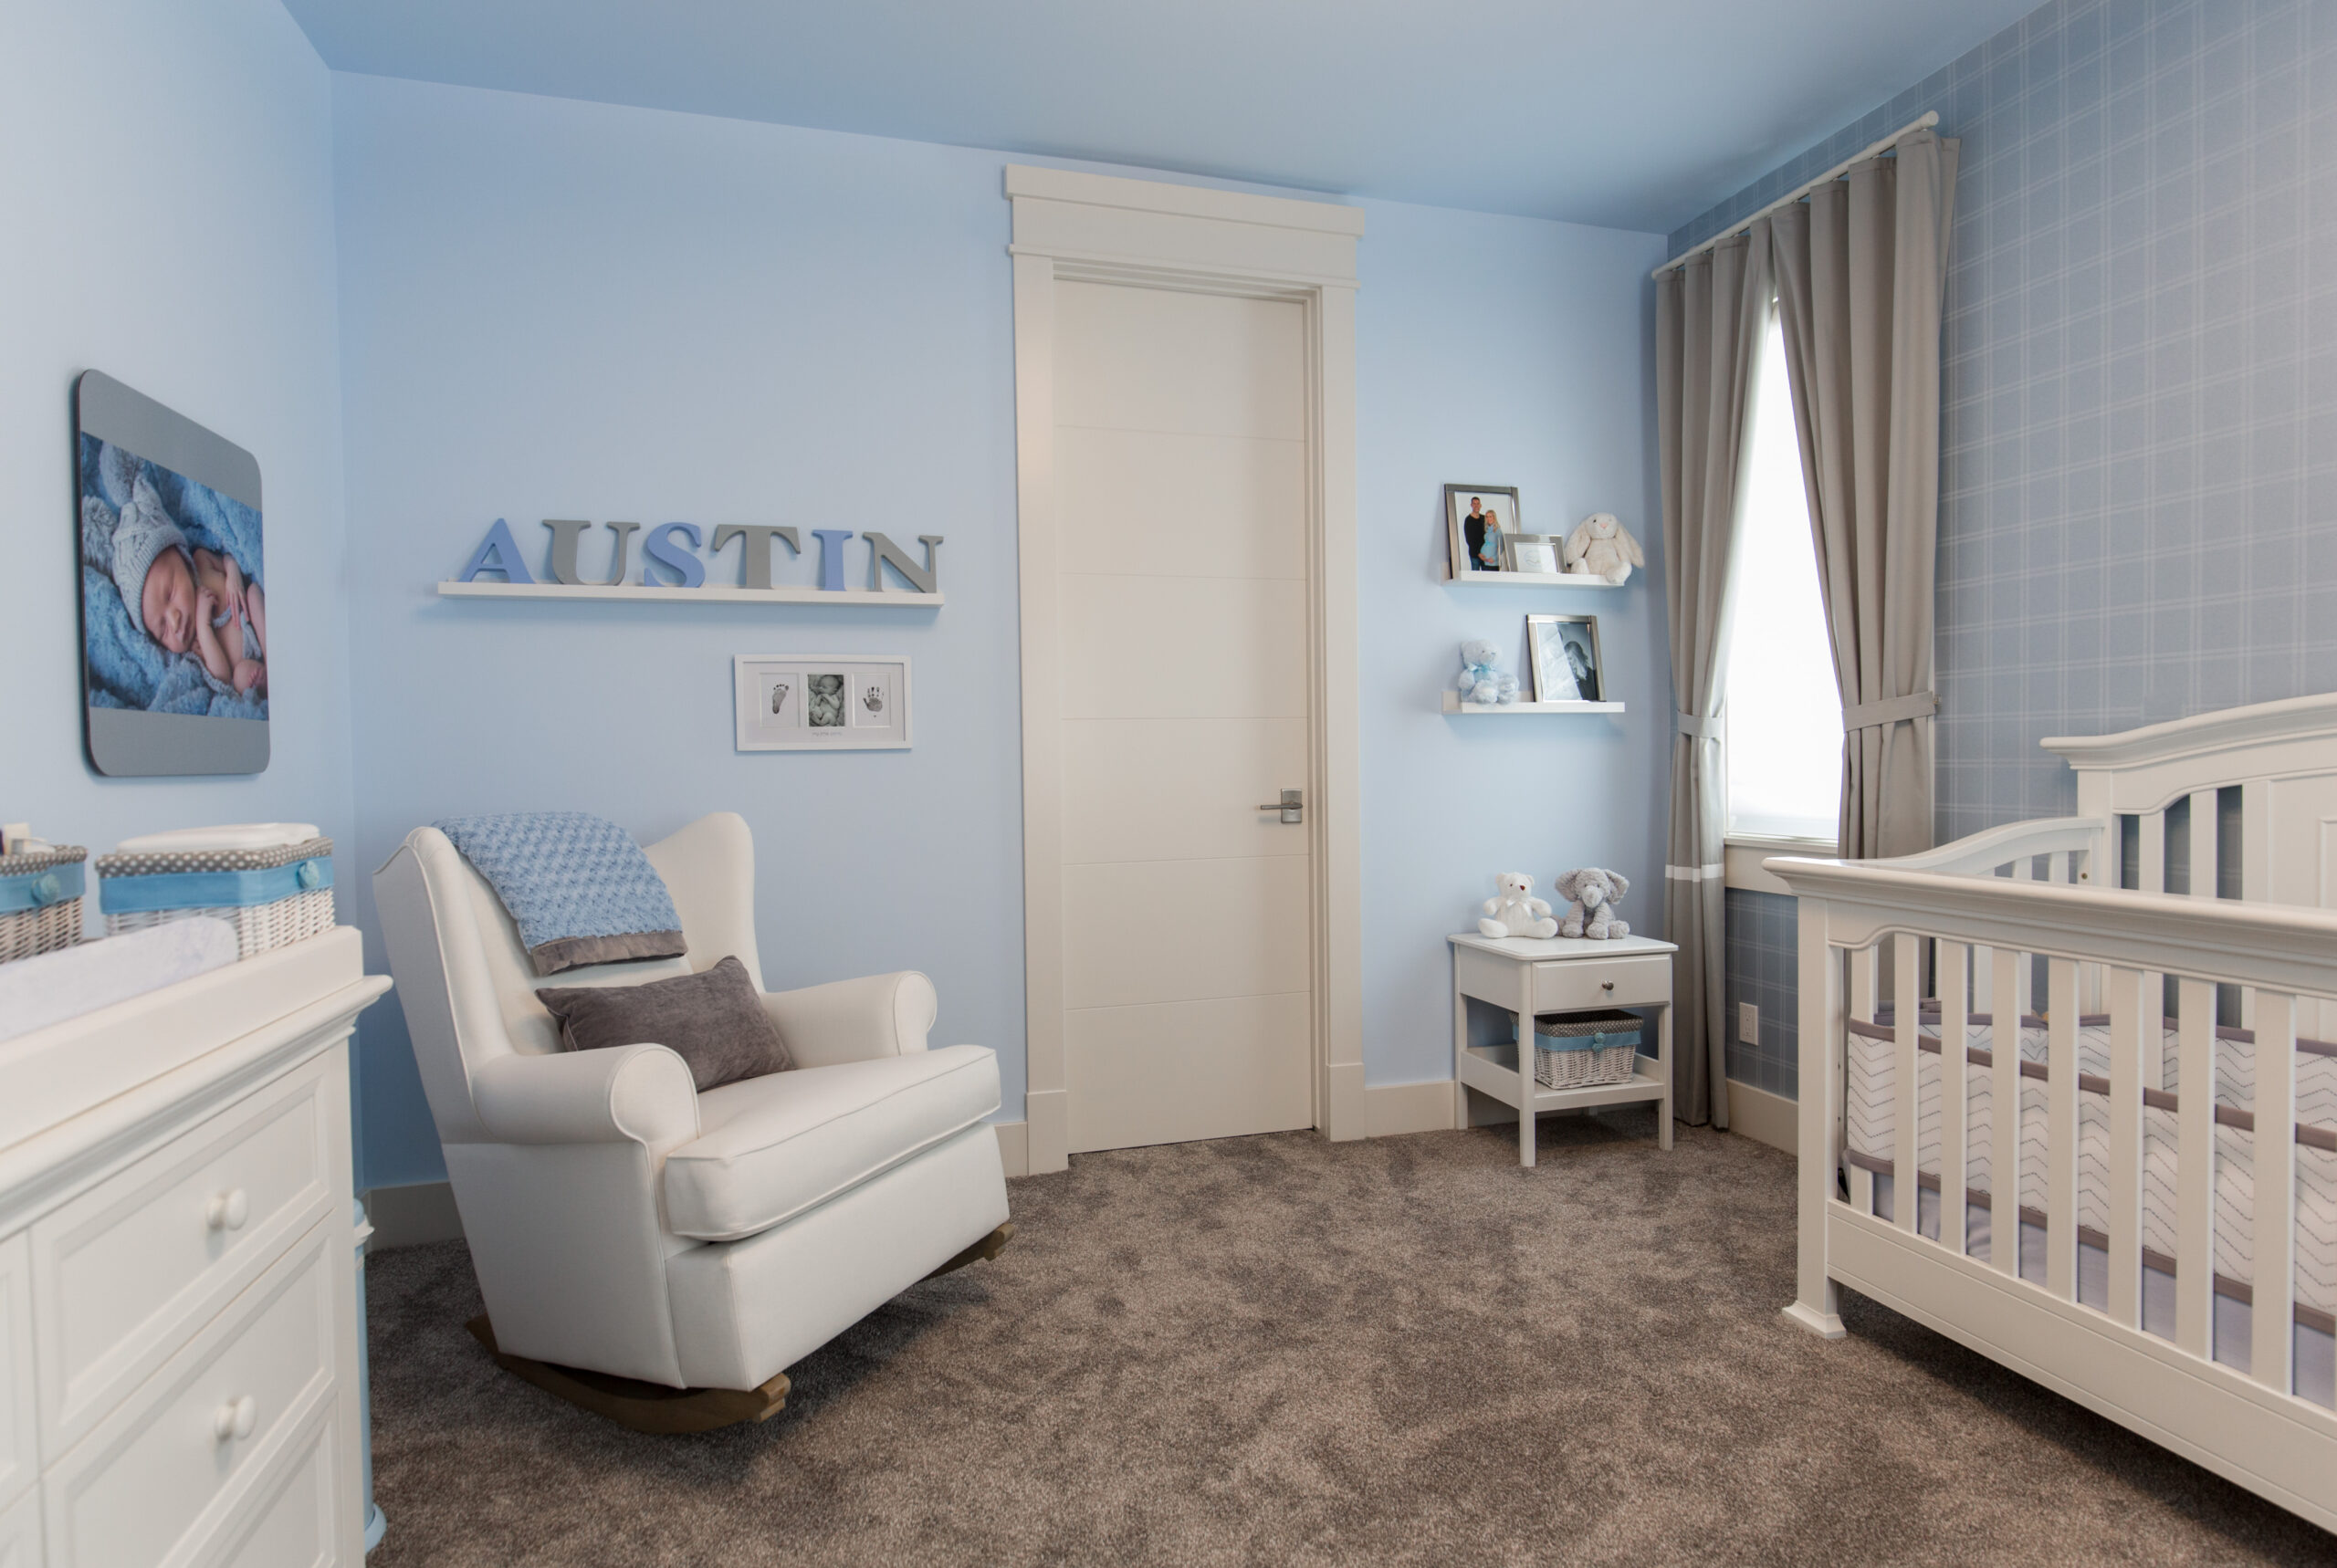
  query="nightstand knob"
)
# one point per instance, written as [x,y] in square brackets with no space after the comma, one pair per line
[1606,985]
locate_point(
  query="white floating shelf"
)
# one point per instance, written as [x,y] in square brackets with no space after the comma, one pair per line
[1453,704]
[793,593]
[1534,580]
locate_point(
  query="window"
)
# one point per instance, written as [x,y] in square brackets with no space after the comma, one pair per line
[1784,710]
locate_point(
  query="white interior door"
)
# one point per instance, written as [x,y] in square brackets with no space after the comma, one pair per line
[1181,468]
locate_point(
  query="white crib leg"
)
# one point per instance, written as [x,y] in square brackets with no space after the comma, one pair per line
[1822,1018]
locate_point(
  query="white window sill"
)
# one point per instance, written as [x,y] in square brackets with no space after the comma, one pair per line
[1746,852]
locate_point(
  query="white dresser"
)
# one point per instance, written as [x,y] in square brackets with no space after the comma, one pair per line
[178,1313]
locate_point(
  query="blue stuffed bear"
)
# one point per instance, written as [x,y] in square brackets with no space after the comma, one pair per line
[1480,681]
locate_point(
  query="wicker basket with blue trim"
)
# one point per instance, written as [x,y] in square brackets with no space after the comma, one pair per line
[272,897]
[40,901]
[1583,1050]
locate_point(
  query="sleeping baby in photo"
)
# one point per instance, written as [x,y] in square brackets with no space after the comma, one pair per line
[183,597]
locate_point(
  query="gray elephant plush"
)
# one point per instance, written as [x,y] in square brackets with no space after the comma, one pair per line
[1591,895]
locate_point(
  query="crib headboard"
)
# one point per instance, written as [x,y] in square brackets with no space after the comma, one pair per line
[2265,777]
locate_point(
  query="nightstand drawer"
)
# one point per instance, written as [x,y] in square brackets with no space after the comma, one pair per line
[1602,983]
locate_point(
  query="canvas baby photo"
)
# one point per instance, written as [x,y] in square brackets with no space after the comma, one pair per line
[173,592]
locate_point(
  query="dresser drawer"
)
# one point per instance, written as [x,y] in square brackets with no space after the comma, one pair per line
[1576,983]
[291,1521]
[164,1475]
[126,1272]
[19,1445]
[20,1533]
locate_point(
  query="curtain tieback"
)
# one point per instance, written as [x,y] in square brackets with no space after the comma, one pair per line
[1890,710]
[1698,727]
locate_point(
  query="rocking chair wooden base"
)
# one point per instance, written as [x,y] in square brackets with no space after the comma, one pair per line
[654,1407]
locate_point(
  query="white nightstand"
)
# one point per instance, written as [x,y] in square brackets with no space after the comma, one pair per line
[1529,976]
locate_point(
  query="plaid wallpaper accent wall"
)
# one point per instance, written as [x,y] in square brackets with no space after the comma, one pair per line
[1761,968]
[2138,510]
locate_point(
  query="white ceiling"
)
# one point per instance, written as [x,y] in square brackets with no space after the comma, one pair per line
[1630,113]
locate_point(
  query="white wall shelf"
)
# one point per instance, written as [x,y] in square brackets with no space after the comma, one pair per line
[793,593]
[1453,704]
[1534,580]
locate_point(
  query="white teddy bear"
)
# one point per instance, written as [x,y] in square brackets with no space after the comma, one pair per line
[1482,680]
[1516,912]
[1599,546]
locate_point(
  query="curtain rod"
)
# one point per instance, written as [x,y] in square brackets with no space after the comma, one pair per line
[1790,197]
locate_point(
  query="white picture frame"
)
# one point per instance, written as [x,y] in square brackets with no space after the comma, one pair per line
[821,702]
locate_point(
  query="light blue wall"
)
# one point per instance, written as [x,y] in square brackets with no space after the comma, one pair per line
[167,216]
[553,308]
[1515,351]
[2141,326]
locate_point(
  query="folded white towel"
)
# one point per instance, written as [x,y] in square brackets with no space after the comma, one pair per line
[227,836]
[40,991]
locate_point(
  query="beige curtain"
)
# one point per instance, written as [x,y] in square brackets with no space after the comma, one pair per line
[1710,317]
[1861,270]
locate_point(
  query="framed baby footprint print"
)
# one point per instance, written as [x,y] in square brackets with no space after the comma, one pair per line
[822,701]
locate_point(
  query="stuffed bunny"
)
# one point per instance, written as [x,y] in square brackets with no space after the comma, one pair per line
[1591,895]
[1516,912]
[1599,547]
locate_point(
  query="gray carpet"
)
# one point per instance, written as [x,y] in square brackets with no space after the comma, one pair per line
[1280,1350]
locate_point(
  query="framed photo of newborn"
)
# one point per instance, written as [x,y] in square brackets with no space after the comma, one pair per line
[1477,518]
[174,646]
[1567,667]
[822,701]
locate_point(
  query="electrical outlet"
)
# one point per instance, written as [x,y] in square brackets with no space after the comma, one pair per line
[1748,1023]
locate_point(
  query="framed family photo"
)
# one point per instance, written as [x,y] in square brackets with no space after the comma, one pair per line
[1479,519]
[1566,665]
[812,701]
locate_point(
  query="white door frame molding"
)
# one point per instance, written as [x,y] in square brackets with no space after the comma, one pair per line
[1096,228]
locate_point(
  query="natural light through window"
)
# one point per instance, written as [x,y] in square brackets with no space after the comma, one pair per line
[1785,713]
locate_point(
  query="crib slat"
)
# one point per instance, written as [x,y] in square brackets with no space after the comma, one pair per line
[1862,961]
[2255,866]
[2276,1179]
[2194,1170]
[2003,1120]
[1907,1015]
[2131,1024]
[1954,1108]
[2203,844]
[2061,1128]
[2022,998]
[2152,837]
[1983,980]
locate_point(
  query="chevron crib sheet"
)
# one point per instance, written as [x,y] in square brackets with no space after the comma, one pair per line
[1869,1113]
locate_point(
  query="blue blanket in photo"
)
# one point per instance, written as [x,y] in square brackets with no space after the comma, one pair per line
[128,669]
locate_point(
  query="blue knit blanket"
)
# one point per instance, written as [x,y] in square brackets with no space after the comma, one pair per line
[579,888]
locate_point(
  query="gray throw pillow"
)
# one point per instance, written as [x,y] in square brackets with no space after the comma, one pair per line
[714,1019]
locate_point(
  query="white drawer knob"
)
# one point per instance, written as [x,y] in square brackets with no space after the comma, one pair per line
[236,1419]
[227,1211]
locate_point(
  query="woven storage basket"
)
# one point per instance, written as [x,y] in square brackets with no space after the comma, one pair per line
[272,897]
[40,902]
[1582,1050]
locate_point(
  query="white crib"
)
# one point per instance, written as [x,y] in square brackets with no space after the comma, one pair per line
[2176,1267]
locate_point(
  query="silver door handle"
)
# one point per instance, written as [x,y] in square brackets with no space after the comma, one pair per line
[1292,806]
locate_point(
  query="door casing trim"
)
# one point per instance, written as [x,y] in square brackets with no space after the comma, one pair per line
[1099,228]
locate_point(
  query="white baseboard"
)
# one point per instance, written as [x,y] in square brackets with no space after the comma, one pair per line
[1392,1110]
[1767,1118]
[1014,1147]
[410,1215]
